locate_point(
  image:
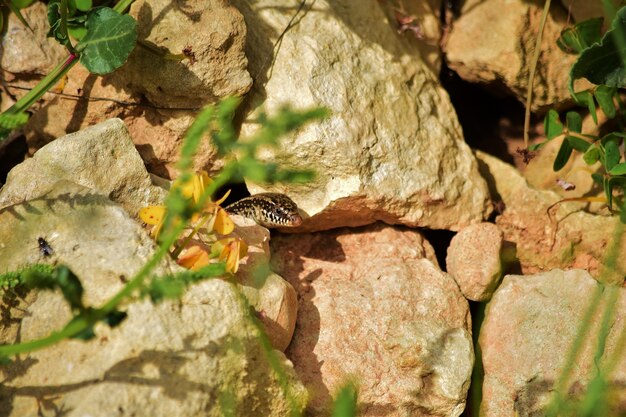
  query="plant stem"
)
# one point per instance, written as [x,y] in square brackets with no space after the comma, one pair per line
[44,85]
[122,6]
[69,45]
[533,68]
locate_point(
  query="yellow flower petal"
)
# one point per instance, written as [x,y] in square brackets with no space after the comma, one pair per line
[194,258]
[231,250]
[152,214]
[223,224]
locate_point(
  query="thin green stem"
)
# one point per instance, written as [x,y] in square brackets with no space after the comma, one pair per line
[533,68]
[122,6]
[66,35]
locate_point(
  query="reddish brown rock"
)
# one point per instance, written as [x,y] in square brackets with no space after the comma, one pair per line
[547,232]
[530,326]
[474,260]
[374,306]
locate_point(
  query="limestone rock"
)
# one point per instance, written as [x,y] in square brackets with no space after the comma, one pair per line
[530,325]
[568,237]
[273,298]
[212,31]
[474,260]
[373,306]
[392,149]
[101,157]
[488,46]
[200,352]
[27,52]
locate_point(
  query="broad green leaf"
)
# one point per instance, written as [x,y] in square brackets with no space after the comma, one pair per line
[601,63]
[575,39]
[55,21]
[592,155]
[604,95]
[552,125]
[110,39]
[574,121]
[579,144]
[11,121]
[585,98]
[562,156]
[536,146]
[114,318]
[619,169]
[612,137]
[82,5]
[611,155]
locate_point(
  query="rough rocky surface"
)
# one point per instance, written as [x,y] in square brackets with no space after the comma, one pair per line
[473,260]
[502,54]
[213,31]
[373,305]
[273,298]
[530,325]
[567,238]
[192,355]
[27,52]
[147,99]
[392,149]
[101,157]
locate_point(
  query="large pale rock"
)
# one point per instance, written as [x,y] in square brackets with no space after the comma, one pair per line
[184,358]
[273,298]
[488,46]
[473,259]
[158,104]
[374,306]
[213,31]
[101,157]
[530,326]
[27,52]
[392,149]
[567,238]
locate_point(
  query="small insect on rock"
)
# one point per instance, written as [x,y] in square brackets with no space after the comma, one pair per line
[44,247]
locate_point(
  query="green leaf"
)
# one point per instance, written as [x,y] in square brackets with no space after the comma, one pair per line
[77,32]
[552,125]
[575,39]
[345,404]
[12,121]
[604,95]
[537,146]
[611,155]
[601,63]
[110,39]
[619,169]
[62,278]
[55,20]
[579,144]
[585,98]
[82,5]
[562,156]
[574,121]
[592,155]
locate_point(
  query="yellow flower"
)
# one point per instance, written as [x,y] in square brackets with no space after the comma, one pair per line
[230,250]
[154,215]
[194,257]
[220,221]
